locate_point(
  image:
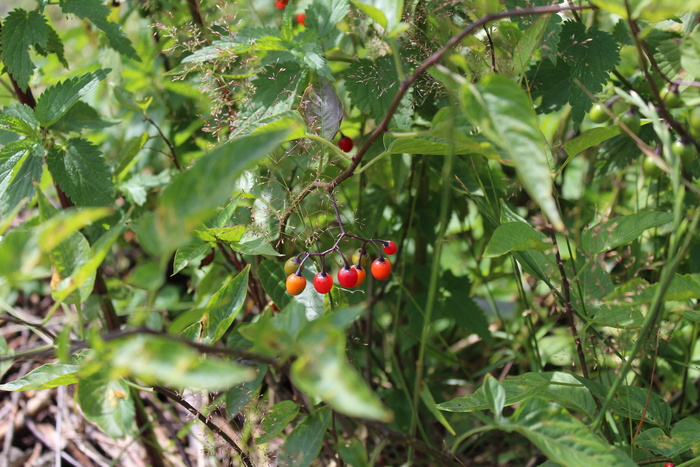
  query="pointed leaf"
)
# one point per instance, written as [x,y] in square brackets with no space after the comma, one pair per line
[515,236]
[322,109]
[621,230]
[20,30]
[685,435]
[224,306]
[304,443]
[276,420]
[57,100]
[107,402]
[517,389]
[49,375]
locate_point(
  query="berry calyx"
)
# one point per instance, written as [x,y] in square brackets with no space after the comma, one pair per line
[301,19]
[361,274]
[381,268]
[598,114]
[345,143]
[390,247]
[296,283]
[323,282]
[292,264]
[347,276]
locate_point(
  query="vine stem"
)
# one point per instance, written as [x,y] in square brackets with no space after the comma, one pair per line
[406,84]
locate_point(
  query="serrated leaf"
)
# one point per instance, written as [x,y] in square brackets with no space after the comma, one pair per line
[322,109]
[304,443]
[54,45]
[81,172]
[17,125]
[385,12]
[621,230]
[276,420]
[372,86]
[590,54]
[107,402]
[159,360]
[224,306]
[49,375]
[515,236]
[193,196]
[79,117]
[690,53]
[97,12]
[323,15]
[562,437]
[18,174]
[551,82]
[59,98]
[523,52]
[504,113]
[129,151]
[20,30]
[547,35]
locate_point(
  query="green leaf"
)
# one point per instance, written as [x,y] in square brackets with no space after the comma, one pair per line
[372,86]
[652,10]
[323,15]
[189,254]
[54,45]
[433,145]
[568,391]
[495,396]
[562,437]
[79,117]
[621,230]
[57,100]
[60,226]
[107,402]
[546,35]
[20,126]
[551,82]
[224,306]
[460,306]
[685,435]
[517,389]
[321,369]
[20,168]
[515,236]
[272,277]
[47,376]
[276,420]
[97,12]
[385,12]
[193,196]
[690,52]
[429,402]
[20,256]
[20,30]
[635,403]
[682,287]
[82,173]
[504,113]
[304,443]
[590,138]
[159,360]
[254,246]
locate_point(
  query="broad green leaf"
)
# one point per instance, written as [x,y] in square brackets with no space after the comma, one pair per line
[276,419]
[159,360]
[495,396]
[567,391]
[547,37]
[590,138]
[62,225]
[57,100]
[523,52]
[18,175]
[19,126]
[652,10]
[129,151]
[79,117]
[20,256]
[97,12]
[590,54]
[322,109]
[272,277]
[433,145]
[621,230]
[224,307]
[304,443]
[517,389]
[690,53]
[193,196]
[239,397]
[107,402]
[460,306]
[20,30]
[682,287]
[562,437]
[254,246]
[353,453]
[515,236]
[321,369]
[385,12]
[82,173]
[685,435]
[323,15]
[47,376]
[188,254]
[504,113]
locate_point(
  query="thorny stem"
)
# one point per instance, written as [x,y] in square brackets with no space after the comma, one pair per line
[403,89]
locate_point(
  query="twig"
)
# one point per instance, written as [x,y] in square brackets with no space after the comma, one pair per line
[211,425]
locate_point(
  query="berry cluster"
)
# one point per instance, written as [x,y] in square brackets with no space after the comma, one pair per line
[349,275]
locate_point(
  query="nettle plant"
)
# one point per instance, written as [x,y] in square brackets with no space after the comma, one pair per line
[536,164]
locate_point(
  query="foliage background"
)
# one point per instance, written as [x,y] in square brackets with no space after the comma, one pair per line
[159,160]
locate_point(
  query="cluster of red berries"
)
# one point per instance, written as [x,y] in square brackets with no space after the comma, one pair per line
[348,276]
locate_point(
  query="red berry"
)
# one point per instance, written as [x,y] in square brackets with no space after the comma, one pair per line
[301,19]
[381,268]
[323,282]
[347,277]
[361,274]
[296,284]
[281,4]
[345,143]
[390,247]
[669,464]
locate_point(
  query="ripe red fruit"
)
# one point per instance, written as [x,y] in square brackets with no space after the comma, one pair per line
[390,247]
[323,282]
[670,464]
[281,4]
[296,284]
[347,277]
[381,268]
[345,143]
[361,274]
[301,19]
